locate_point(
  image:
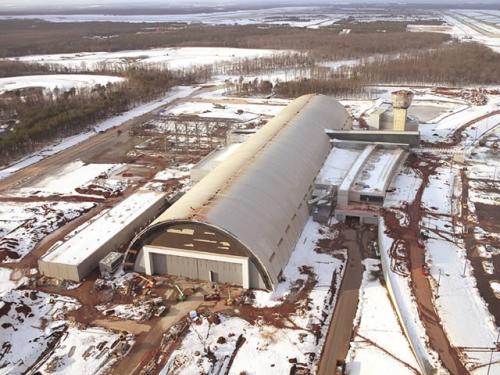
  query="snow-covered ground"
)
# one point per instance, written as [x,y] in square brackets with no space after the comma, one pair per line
[30,321]
[240,112]
[71,177]
[296,16]
[463,312]
[466,25]
[35,333]
[175,93]
[273,76]
[86,351]
[51,82]
[6,281]
[406,305]
[26,224]
[275,348]
[171,58]
[377,321]
[468,28]
[443,127]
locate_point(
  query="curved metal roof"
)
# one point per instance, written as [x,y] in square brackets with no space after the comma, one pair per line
[254,194]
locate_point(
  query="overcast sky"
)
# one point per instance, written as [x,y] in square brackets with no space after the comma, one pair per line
[20,4]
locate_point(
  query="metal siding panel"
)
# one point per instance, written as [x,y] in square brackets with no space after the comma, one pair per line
[227,272]
[159,263]
[256,281]
[182,266]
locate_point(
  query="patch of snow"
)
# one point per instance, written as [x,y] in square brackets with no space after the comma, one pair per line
[377,321]
[169,58]
[403,188]
[31,320]
[69,177]
[84,351]
[33,221]
[51,82]
[6,282]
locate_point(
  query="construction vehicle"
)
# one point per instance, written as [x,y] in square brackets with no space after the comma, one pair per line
[150,283]
[212,297]
[182,297]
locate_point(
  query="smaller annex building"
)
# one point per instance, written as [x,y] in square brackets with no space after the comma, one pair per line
[239,224]
[80,252]
[355,178]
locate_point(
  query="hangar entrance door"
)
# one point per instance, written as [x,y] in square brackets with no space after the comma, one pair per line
[197,265]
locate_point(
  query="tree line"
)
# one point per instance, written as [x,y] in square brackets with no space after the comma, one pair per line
[25,37]
[42,119]
[456,64]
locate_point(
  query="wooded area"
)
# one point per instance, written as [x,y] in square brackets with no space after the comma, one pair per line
[18,68]
[25,37]
[456,64]
[44,118]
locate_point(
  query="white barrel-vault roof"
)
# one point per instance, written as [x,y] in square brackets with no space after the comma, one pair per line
[254,194]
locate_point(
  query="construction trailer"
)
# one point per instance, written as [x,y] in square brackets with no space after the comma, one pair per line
[110,263]
[240,223]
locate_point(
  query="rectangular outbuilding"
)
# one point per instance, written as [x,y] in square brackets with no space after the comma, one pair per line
[79,255]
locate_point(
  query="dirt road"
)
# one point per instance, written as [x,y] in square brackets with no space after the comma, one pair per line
[339,334]
[102,147]
[421,288]
[148,343]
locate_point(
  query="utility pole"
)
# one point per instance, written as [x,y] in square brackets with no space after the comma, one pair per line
[439,281]
[491,354]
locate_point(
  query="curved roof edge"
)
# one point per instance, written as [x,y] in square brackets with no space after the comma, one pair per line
[264,272]
[258,194]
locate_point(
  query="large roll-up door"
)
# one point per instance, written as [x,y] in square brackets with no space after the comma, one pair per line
[198,269]
[174,265]
[222,272]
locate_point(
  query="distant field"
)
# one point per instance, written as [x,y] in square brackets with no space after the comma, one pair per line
[28,37]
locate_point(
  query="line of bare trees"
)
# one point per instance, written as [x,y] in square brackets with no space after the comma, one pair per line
[456,64]
[24,37]
[41,119]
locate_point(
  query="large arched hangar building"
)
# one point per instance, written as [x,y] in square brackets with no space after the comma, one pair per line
[241,222]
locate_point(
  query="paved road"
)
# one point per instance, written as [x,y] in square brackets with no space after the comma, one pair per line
[340,331]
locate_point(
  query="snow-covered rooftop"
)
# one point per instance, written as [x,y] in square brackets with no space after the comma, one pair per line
[376,173]
[86,239]
[216,157]
[336,166]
